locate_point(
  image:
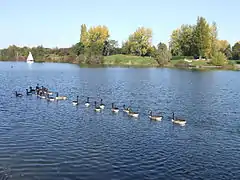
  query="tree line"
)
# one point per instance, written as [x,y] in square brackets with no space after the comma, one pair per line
[199,40]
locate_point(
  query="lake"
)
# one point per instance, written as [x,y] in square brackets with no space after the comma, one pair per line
[56,140]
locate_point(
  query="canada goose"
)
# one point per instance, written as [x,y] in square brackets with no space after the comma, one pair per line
[133,114]
[182,122]
[49,92]
[60,97]
[31,89]
[50,98]
[42,95]
[39,92]
[75,102]
[114,109]
[97,108]
[101,104]
[28,92]
[37,87]
[87,103]
[18,94]
[125,109]
[156,118]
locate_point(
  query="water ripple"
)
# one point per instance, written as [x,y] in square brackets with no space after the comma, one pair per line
[54,140]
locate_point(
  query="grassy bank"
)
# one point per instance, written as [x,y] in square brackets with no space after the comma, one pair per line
[121,60]
[126,60]
[136,61]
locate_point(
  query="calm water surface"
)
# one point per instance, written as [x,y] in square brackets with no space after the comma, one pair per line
[55,140]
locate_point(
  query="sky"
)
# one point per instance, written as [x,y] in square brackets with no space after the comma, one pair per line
[56,23]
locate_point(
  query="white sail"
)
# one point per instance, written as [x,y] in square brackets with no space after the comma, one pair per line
[30,58]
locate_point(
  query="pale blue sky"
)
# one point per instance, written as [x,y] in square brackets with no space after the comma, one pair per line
[57,22]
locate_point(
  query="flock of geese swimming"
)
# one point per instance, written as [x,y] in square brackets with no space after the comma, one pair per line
[44,93]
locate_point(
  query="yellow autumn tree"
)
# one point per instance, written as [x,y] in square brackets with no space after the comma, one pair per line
[83,36]
[140,41]
[97,34]
[222,45]
[213,39]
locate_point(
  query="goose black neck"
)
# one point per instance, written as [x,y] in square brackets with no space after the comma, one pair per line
[150,112]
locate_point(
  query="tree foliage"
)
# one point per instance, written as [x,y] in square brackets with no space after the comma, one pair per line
[186,39]
[162,55]
[110,47]
[201,37]
[213,40]
[199,40]
[219,59]
[94,44]
[83,35]
[236,51]
[97,34]
[174,45]
[139,42]
[78,48]
[224,47]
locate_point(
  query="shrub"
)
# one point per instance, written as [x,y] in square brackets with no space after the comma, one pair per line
[237,61]
[181,57]
[182,64]
[219,59]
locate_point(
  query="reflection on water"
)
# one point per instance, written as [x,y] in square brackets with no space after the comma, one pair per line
[54,140]
[29,66]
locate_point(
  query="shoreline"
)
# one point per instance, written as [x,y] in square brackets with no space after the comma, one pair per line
[170,66]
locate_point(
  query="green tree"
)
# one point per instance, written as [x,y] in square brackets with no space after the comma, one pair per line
[109,47]
[83,36]
[201,36]
[12,52]
[162,55]
[93,54]
[78,48]
[186,40]
[126,48]
[236,51]
[174,45]
[228,52]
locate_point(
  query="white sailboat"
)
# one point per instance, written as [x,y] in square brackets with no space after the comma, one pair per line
[30,59]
